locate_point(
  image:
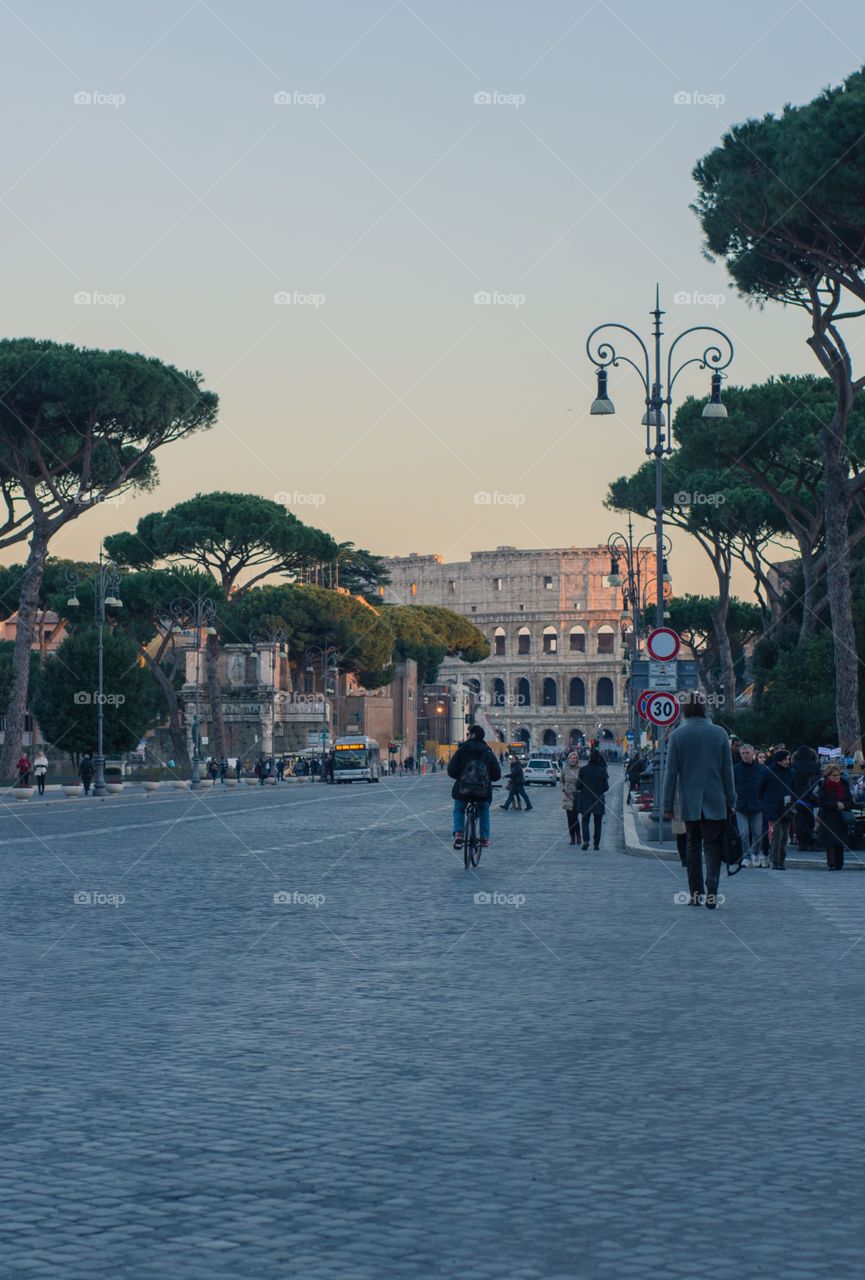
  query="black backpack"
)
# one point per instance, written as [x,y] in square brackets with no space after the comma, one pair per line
[474,780]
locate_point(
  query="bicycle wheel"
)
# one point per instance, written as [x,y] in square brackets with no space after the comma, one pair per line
[473,846]
[470,836]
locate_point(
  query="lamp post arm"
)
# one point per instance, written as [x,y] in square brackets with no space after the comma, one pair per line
[715,357]
[605,354]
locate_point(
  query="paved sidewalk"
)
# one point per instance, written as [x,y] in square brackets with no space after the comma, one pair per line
[307,1043]
[640,835]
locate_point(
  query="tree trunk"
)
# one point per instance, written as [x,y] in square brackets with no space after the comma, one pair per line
[809,592]
[28,606]
[176,729]
[838,583]
[725,652]
[216,747]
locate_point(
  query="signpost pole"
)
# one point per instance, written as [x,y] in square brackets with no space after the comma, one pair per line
[663,646]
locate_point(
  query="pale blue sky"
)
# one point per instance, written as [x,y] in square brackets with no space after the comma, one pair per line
[397,197]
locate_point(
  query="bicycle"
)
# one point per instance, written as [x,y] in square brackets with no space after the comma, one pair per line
[471,835]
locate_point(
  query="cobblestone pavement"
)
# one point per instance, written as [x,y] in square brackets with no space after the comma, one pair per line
[285,1038]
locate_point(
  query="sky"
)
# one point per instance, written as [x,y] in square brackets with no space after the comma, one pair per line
[383,231]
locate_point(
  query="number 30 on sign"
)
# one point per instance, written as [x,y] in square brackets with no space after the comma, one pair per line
[661,709]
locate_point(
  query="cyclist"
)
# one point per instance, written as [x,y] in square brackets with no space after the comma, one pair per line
[474,769]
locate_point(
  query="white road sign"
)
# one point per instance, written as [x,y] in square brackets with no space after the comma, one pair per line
[662,709]
[663,644]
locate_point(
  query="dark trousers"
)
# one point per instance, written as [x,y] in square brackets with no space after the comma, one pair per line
[780,837]
[834,855]
[598,819]
[708,832]
[573,817]
[513,793]
[40,783]
[803,820]
[833,834]
[682,847]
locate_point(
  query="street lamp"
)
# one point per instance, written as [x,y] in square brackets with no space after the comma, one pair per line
[273,640]
[106,583]
[196,615]
[328,659]
[717,355]
[648,369]
[635,557]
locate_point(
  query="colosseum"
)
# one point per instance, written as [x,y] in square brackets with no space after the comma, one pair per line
[557,670]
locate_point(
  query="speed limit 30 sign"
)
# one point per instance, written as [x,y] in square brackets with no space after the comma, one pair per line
[661,709]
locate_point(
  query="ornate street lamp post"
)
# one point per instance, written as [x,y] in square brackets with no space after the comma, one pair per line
[106,583]
[327,657]
[634,584]
[196,615]
[716,356]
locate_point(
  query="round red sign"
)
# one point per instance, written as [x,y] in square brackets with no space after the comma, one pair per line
[662,709]
[663,644]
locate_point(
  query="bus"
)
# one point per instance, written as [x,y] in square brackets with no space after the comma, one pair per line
[520,750]
[356,760]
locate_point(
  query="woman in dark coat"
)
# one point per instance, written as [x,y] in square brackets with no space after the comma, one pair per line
[593,782]
[832,797]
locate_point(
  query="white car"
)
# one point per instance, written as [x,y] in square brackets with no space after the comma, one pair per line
[543,772]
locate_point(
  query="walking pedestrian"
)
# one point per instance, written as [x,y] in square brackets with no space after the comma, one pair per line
[699,762]
[516,785]
[635,769]
[570,788]
[806,773]
[40,769]
[24,767]
[776,794]
[834,801]
[85,773]
[594,780]
[747,775]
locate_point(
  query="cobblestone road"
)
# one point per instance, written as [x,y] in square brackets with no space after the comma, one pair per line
[379,1075]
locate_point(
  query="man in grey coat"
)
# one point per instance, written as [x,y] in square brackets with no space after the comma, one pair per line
[700,763]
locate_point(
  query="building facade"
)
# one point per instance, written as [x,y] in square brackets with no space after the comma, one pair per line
[557,671]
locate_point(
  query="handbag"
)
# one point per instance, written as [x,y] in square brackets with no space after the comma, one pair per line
[732,851]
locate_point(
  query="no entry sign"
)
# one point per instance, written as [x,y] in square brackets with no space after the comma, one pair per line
[663,644]
[641,703]
[661,709]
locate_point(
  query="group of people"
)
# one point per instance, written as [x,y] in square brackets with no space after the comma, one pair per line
[474,768]
[711,780]
[38,767]
[787,798]
[583,790]
[278,767]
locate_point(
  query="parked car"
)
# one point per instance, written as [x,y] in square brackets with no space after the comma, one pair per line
[543,772]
